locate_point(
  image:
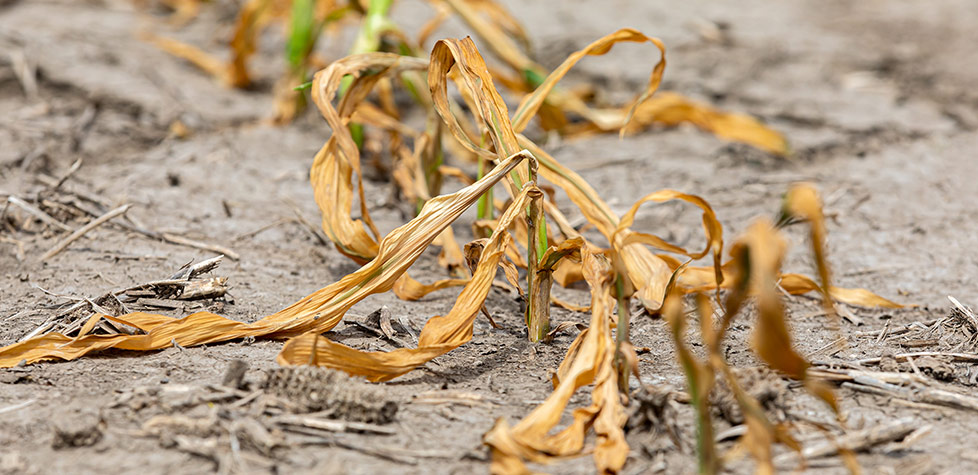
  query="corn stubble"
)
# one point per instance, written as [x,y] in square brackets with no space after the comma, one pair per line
[528,231]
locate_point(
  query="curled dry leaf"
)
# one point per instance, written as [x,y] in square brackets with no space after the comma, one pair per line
[671,109]
[334,165]
[802,201]
[440,335]
[317,312]
[590,359]
[545,91]
[764,250]
[656,280]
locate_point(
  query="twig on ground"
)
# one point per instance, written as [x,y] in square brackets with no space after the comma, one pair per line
[17,406]
[132,224]
[71,171]
[454,397]
[84,229]
[191,271]
[174,239]
[331,425]
[37,213]
[25,70]
[855,441]
[957,357]
[883,333]
[899,331]
[43,327]
[913,388]
[262,229]
[830,348]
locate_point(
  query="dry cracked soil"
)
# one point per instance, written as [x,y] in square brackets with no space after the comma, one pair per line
[876,97]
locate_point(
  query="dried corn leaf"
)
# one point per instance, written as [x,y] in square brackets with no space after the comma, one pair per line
[765,250]
[451,256]
[802,201]
[589,360]
[474,80]
[317,312]
[647,272]
[409,289]
[494,32]
[702,279]
[532,102]
[194,55]
[711,226]
[666,108]
[334,165]
[440,335]
[252,18]
[671,109]
[800,284]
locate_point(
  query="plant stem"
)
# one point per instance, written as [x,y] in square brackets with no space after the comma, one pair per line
[433,156]
[485,203]
[621,334]
[705,448]
[375,23]
[538,281]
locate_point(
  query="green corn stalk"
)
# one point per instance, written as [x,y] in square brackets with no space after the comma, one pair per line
[700,378]
[374,24]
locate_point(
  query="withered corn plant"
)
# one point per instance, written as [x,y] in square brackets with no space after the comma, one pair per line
[304,21]
[526,231]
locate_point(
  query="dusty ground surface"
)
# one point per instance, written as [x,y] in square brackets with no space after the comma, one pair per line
[876,97]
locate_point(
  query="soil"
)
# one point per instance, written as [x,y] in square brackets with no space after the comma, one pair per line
[877,99]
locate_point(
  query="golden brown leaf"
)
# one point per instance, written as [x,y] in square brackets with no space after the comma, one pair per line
[334,165]
[440,335]
[590,359]
[711,226]
[532,102]
[318,312]
[647,272]
[802,201]
[671,109]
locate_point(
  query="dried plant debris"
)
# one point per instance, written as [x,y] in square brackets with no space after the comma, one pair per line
[355,96]
[653,411]
[331,393]
[760,383]
[936,366]
[913,387]
[259,423]
[95,316]
[60,206]
[497,30]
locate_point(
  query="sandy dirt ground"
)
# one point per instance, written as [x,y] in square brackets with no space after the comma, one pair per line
[876,97]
